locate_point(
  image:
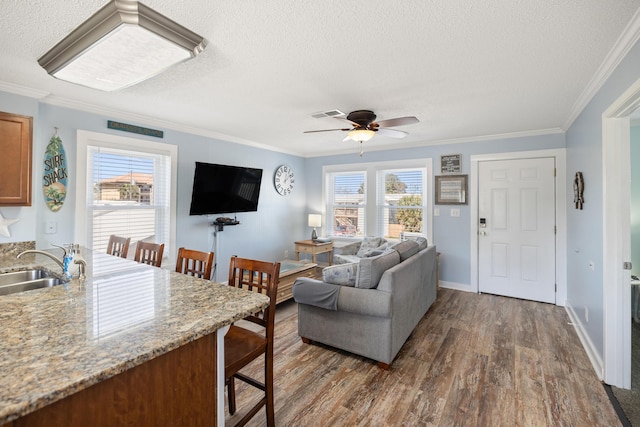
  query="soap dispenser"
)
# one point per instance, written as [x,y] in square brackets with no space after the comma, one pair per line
[68,260]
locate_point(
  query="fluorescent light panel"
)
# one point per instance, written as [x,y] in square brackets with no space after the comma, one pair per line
[122,44]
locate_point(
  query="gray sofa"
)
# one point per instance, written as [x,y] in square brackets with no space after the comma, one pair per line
[373,313]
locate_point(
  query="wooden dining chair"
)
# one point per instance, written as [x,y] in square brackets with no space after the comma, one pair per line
[118,246]
[149,253]
[241,346]
[194,263]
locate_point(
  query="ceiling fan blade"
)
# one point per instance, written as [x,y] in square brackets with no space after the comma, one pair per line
[325,130]
[398,121]
[393,133]
[344,119]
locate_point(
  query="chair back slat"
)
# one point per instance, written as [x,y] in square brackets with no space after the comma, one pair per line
[195,263]
[149,253]
[256,276]
[118,246]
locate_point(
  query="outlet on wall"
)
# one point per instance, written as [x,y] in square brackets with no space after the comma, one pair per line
[586,314]
[286,254]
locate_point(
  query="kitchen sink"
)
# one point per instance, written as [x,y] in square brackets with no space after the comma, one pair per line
[27,280]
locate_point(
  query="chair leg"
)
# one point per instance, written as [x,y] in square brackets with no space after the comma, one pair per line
[268,383]
[231,392]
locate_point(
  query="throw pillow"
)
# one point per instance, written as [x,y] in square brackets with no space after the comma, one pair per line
[370,270]
[341,274]
[406,249]
[367,244]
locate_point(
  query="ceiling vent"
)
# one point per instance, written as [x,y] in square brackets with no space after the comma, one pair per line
[330,113]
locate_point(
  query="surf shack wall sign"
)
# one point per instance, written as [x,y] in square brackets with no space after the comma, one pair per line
[55,175]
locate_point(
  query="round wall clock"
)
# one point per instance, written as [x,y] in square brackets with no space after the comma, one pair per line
[283,180]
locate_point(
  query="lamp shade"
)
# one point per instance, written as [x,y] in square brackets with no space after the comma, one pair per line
[361,135]
[315,220]
[122,44]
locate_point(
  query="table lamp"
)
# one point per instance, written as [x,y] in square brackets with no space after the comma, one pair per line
[315,220]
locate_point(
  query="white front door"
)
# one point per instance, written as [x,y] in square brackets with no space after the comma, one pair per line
[516,242]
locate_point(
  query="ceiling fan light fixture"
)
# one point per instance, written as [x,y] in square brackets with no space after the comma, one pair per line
[361,135]
[122,44]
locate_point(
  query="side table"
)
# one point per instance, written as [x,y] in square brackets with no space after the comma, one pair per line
[314,248]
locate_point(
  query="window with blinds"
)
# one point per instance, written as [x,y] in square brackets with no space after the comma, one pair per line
[400,207]
[129,195]
[389,199]
[347,203]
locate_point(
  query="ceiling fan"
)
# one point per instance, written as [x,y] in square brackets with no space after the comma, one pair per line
[364,127]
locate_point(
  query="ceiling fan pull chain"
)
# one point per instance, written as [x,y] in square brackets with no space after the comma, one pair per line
[361,149]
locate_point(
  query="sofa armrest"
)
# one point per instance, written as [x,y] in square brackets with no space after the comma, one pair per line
[368,302]
[316,292]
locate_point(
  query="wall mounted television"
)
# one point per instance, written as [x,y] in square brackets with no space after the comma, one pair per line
[224,189]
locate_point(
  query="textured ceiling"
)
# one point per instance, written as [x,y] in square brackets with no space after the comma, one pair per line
[467,69]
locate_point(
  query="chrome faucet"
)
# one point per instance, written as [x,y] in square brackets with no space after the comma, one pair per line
[33,251]
[83,266]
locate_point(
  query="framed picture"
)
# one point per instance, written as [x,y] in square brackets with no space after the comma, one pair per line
[451,190]
[451,163]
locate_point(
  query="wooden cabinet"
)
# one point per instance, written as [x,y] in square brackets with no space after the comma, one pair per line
[175,389]
[15,159]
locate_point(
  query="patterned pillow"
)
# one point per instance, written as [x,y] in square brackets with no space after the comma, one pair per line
[367,244]
[341,274]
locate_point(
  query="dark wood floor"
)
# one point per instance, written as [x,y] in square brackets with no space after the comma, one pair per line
[473,360]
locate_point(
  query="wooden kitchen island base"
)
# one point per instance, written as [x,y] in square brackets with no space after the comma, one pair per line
[174,389]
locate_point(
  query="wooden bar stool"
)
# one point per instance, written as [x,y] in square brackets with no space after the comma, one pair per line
[149,253]
[118,246]
[194,263]
[241,346]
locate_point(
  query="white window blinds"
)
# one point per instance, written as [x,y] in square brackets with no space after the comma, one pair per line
[346,196]
[129,195]
[400,202]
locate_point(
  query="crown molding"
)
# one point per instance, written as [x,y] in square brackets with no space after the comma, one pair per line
[151,121]
[23,90]
[511,135]
[621,48]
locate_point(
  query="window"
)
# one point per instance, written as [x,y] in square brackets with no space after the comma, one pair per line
[387,199]
[127,192]
[347,204]
[400,203]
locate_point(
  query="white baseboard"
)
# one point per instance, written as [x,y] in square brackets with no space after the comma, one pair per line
[456,286]
[592,353]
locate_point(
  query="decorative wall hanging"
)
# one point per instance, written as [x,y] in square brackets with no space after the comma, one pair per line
[451,163]
[4,225]
[54,177]
[578,190]
[451,190]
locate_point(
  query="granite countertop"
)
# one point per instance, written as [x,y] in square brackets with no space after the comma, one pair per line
[59,340]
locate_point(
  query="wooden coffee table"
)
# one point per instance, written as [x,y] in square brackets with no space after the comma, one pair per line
[289,272]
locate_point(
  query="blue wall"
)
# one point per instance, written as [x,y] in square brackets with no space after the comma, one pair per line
[450,234]
[585,227]
[265,234]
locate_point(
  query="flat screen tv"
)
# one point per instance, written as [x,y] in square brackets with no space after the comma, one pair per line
[224,189]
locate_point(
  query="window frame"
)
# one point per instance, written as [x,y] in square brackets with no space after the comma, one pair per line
[371,170]
[86,139]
